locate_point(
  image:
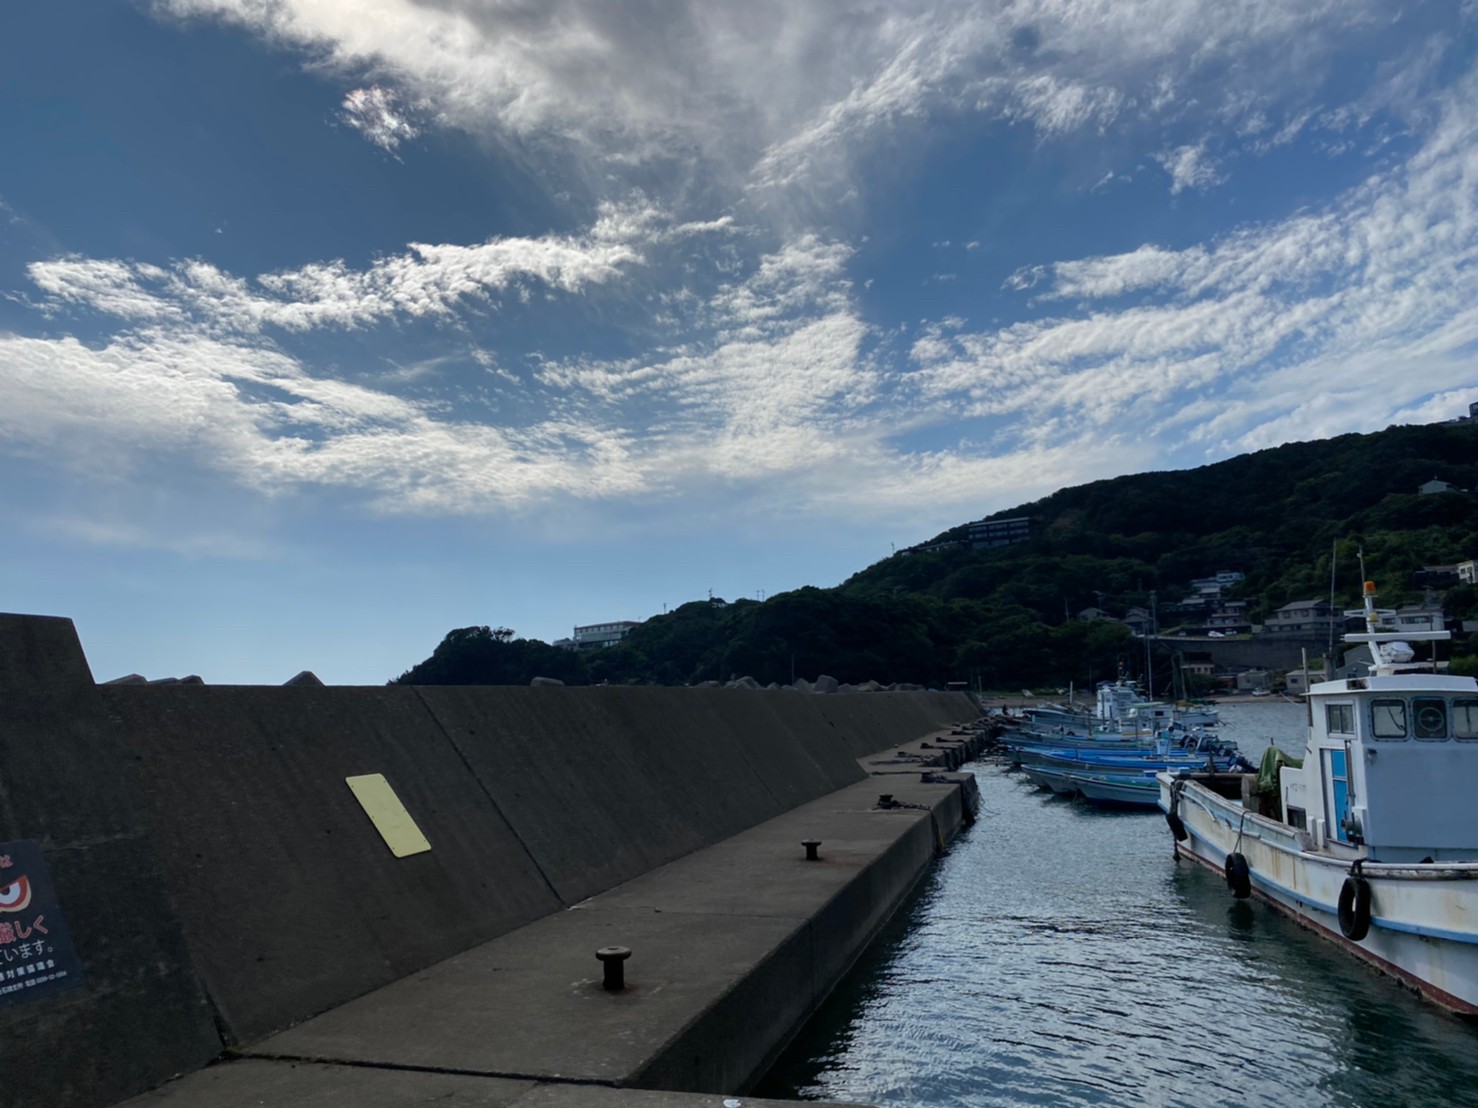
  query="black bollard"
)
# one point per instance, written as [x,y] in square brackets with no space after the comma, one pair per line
[614,960]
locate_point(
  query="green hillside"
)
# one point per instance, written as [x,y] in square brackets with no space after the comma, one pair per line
[1006,616]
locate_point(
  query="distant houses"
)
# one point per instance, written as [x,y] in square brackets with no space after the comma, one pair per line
[981,535]
[1207,610]
[1303,618]
[1000,532]
[595,636]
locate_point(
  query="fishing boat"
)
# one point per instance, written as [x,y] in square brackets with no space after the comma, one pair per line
[1120,713]
[1057,780]
[1173,748]
[1130,789]
[1100,788]
[1373,840]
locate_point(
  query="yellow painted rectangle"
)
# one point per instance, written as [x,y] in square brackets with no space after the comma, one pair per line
[388,814]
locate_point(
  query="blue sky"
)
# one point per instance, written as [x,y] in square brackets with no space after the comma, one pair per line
[327,327]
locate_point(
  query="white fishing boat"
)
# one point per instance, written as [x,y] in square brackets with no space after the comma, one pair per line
[1375,842]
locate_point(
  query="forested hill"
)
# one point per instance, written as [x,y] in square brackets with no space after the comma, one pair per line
[1273,514]
[945,610]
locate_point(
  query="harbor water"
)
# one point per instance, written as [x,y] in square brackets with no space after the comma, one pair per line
[1059,955]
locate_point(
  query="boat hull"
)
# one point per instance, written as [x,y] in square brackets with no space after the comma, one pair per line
[1424,918]
[1106,792]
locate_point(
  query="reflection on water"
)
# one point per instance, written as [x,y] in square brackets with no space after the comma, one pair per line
[1059,955]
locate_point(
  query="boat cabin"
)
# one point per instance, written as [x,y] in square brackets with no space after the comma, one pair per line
[1391,768]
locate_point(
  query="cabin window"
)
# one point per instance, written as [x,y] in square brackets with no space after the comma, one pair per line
[1297,817]
[1465,719]
[1341,718]
[1388,719]
[1430,717]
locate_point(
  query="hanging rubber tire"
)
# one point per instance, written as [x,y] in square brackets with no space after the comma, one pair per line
[1354,908]
[1239,876]
[1177,827]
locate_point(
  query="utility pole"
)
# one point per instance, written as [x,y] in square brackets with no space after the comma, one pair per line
[1149,660]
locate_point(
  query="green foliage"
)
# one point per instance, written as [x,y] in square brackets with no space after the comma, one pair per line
[1465,666]
[1007,617]
[486,656]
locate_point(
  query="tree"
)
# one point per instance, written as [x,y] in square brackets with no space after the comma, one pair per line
[493,656]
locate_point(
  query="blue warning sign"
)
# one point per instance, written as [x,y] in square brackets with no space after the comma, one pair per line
[36,954]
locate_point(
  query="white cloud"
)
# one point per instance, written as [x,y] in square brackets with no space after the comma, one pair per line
[759,376]
[375,113]
[782,93]
[1321,323]
[426,280]
[258,416]
[1190,167]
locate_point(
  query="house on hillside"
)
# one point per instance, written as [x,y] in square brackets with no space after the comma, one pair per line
[1297,681]
[1435,577]
[1218,583]
[1230,618]
[1137,620]
[1302,617]
[1000,532]
[1467,572]
[1429,488]
[594,636]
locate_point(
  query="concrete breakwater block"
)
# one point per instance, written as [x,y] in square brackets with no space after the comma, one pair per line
[227,868]
[291,901]
[137,1014]
[606,783]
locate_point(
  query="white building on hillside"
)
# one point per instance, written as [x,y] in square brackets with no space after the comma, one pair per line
[594,636]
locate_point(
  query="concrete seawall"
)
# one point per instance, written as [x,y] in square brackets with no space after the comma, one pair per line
[249,900]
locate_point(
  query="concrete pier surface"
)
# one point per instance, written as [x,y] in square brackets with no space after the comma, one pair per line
[219,903]
[733,948]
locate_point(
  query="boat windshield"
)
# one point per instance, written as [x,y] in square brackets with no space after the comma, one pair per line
[1430,715]
[1388,719]
[1465,719]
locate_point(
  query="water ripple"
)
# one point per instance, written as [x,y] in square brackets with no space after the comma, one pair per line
[1060,956]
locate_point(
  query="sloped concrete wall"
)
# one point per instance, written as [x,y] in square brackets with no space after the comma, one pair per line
[607,783]
[291,901]
[222,881]
[140,1014]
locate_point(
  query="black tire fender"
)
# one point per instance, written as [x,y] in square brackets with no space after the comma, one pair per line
[1354,908]
[1177,827]
[1239,876]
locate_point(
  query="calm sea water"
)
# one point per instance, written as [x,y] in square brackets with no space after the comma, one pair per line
[1058,955]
